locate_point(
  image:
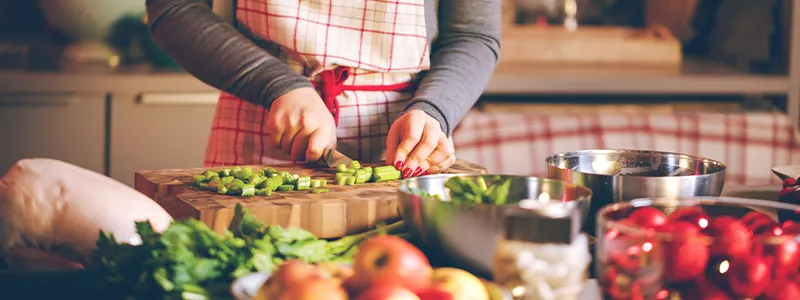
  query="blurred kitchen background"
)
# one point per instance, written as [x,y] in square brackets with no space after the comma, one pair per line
[81,81]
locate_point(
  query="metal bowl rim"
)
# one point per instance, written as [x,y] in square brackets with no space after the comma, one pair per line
[403,184]
[550,160]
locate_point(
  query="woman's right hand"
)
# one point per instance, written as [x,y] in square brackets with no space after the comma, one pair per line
[301,125]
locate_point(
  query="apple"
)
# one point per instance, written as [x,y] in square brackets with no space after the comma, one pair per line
[390,260]
[749,276]
[782,290]
[784,255]
[294,272]
[314,289]
[692,214]
[731,237]
[435,294]
[460,283]
[386,292]
[648,217]
[686,254]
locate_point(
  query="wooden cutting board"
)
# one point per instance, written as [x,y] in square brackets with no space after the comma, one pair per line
[342,211]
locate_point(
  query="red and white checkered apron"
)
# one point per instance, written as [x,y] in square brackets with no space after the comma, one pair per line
[363,57]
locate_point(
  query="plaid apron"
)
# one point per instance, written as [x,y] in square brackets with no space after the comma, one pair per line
[362,56]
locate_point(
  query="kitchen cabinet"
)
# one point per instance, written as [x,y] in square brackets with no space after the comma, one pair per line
[158,130]
[66,126]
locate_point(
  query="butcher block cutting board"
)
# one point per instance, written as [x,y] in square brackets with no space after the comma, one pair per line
[342,211]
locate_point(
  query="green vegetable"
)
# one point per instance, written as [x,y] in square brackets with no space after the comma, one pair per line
[341,178]
[190,261]
[319,190]
[303,182]
[263,192]
[210,174]
[341,168]
[244,181]
[465,191]
[198,179]
[222,190]
[248,190]
[362,176]
[380,176]
[355,165]
[242,173]
[285,188]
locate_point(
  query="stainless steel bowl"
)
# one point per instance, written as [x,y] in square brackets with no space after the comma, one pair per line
[466,235]
[623,175]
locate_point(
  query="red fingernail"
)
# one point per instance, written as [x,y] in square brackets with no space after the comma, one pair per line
[425,173]
[399,165]
[417,172]
[407,173]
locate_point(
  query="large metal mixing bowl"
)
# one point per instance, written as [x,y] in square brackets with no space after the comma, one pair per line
[623,175]
[466,235]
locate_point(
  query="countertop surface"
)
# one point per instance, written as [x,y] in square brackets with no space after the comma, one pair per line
[98,81]
[693,77]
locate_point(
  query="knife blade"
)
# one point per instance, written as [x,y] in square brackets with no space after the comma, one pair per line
[332,158]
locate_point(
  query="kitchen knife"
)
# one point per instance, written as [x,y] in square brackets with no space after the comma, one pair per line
[332,158]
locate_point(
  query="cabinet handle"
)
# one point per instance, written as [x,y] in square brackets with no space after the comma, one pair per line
[38,99]
[178,99]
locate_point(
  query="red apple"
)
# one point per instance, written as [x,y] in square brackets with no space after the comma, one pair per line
[692,214]
[648,217]
[758,222]
[317,288]
[749,276]
[781,290]
[294,272]
[390,260]
[731,237]
[784,255]
[435,294]
[685,253]
[386,292]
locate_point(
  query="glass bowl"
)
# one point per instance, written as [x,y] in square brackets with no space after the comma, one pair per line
[698,248]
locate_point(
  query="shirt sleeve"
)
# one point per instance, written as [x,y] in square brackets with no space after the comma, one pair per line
[217,53]
[462,62]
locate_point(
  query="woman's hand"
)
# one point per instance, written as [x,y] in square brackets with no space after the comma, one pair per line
[417,145]
[301,125]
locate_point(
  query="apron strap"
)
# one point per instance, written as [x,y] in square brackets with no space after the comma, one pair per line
[331,85]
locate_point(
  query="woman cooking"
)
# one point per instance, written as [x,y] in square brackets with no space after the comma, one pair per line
[371,78]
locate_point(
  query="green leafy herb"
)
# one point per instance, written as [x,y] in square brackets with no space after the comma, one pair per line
[190,261]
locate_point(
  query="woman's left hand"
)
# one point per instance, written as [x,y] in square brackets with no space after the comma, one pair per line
[416,145]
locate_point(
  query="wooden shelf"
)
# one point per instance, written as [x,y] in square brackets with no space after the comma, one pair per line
[693,77]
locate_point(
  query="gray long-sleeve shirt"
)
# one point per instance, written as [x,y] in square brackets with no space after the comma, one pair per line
[464,35]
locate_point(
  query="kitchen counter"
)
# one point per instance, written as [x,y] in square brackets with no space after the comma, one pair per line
[55,82]
[695,76]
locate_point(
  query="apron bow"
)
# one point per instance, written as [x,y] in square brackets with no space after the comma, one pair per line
[331,86]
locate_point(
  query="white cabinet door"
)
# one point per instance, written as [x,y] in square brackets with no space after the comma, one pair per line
[66,126]
[152,131]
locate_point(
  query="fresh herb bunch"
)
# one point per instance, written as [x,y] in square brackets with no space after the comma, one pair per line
[190,261]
